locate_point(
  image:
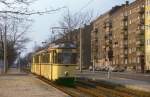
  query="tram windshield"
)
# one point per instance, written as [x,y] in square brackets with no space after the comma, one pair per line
[67,58]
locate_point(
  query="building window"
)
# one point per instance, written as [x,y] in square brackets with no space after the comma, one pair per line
[130,22]
[129,60]
[126,52]
[148,42]
[130,12]
[126,23]
[126,14]
[138,59]
[130,51]
[135,60]
[126,61]
[114,62]
[122,62]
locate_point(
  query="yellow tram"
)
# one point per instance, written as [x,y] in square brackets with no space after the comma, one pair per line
[56,62]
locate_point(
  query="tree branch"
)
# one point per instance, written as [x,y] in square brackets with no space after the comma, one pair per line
[32,13]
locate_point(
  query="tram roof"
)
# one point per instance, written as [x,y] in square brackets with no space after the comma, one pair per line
[63,46]
[57,46]
[42,51]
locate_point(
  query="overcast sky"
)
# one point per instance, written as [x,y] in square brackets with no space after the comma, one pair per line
[41,25]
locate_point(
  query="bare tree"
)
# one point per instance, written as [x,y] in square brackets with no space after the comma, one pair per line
[22,7]
[74,21]
[15,18]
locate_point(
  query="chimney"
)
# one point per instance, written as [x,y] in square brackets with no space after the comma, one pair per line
[127,2]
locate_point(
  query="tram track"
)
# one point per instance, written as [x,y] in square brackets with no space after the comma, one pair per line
[71,91]
[90,88]
[114,90]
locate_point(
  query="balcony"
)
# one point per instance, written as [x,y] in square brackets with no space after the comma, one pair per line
[141,38]
[126,33]
[140,43]
[107,41]
[124,27]
[110,34]
[122,55]
[107,37]
[142,10]
[96,39]
[125,37]
[108,45]
[104,47]
[125,18]
[107,24]
[125,55]
[96,30]
[142,21]
[141,32]
[139,53]
[125,47]
[141,49]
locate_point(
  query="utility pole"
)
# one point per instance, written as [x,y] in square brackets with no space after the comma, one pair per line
[80,50]
[5,45]
[19,62]
[94,64]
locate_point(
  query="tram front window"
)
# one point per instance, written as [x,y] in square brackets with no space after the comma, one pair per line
[67,58]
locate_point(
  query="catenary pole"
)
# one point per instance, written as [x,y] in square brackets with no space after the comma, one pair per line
[5,45]
[80,49]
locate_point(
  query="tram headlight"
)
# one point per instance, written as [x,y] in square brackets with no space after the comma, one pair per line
[66,73]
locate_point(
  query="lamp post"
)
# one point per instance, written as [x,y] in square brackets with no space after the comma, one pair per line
[19,62]
[109,59]
[80,50]
[5,44]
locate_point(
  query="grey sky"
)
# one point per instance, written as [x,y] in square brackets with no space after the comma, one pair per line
[41,26]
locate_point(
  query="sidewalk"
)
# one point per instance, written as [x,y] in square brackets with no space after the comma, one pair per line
[14,84]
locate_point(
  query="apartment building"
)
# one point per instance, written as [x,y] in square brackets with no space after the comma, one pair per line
[98,40]
[121,37]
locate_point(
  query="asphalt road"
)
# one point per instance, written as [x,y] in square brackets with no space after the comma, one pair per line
[126,75]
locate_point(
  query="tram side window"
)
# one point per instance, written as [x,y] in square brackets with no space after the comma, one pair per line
[36,58]
[66,58]
[74,58]
[45,58]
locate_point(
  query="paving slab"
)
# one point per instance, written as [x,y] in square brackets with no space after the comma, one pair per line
[15,85]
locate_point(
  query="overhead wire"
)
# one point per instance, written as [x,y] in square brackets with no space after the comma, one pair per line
[87,4]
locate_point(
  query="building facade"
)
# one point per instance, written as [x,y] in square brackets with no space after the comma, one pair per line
[121,38]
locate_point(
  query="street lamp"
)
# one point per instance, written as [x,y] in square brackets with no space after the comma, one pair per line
[19,62]
[5,45]
[80,49]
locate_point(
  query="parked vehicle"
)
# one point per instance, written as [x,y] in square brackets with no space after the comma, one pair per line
[118,69]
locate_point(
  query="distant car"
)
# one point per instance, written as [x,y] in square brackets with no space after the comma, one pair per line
[118,69]
[90,68]
[77,68]
[103,68]
[98,69]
